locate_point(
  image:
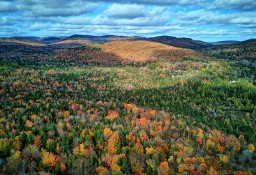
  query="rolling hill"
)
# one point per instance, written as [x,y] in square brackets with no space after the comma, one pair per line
[23,40]
[245,50]
[179,42]
[83,51]
[139,50]
[77,42]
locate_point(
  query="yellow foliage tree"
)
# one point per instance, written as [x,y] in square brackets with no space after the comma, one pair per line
[107,132]
[49,159]
[82,149]
[66,114]
[251,147]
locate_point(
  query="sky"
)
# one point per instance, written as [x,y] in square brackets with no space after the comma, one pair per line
[207,20]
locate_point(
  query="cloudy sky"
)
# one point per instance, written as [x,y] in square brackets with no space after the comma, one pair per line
[208,20]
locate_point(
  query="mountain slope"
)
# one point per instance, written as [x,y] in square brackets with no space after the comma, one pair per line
[245,50]
[179,42]
[141,51]
[77,42]
[23,40]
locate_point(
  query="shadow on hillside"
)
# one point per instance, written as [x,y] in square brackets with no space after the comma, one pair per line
[205,105]
[203,110]
[57,55]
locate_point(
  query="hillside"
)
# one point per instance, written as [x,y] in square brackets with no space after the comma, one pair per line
[136,50]
[76,42]
[21,40]
[68,53]
[245,50]
[179,42]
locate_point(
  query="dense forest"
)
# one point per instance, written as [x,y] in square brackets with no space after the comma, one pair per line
[117,108]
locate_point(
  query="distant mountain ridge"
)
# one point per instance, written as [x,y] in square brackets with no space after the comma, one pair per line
[96,39]
[225,42]
[80,40]
[50,40]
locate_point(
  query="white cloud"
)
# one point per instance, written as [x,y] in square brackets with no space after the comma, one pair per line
[126,11]
[152,17]
[244,20]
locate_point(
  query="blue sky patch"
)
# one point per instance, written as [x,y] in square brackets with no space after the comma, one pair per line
[199,19]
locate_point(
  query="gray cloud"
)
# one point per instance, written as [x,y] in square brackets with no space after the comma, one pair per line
[202,17]
[244,5]
[49,8]
[48,12]
[6,6]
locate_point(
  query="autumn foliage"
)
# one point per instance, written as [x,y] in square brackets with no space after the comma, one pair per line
[89,119]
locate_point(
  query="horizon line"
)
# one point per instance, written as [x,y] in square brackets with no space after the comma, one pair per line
[66,36]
